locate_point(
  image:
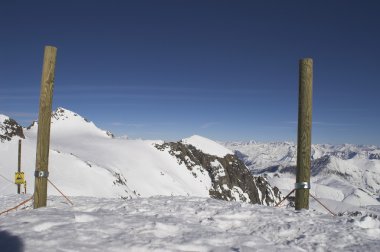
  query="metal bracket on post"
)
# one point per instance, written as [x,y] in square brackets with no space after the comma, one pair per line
[41,174]
[302,185]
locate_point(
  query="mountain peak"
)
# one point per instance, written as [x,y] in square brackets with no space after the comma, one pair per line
[66,122]
[62,113]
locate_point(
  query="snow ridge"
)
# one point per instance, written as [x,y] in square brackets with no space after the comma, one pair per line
[207,146]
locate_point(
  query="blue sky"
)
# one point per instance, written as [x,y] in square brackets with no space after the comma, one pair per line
[227,70]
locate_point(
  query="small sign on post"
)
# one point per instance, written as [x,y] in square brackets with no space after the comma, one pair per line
[19,178]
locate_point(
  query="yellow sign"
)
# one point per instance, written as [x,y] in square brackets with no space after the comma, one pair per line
[19,178]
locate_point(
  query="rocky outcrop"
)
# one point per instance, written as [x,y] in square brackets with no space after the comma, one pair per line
[374,156]
[9,128]
[230,178]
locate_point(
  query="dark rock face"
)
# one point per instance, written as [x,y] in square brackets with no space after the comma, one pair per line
[317,166]
[292,169]
[31,125]
[374,156]
[10,128]
[59,114]
[109,133]
[231,180]
[344,154]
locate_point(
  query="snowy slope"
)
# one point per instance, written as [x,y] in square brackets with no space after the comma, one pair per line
[181,224]
[87,161]
[344,173]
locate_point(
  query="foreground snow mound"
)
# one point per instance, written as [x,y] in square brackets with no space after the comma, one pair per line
[179,224]
[207,146]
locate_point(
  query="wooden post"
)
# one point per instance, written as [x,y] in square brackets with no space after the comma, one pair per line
[43,133]
[304,133]
[19,164]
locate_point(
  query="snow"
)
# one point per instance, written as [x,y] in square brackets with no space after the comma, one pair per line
[218,169]
[236,193]
[207,146]
[3,118]
[85,161]
[179,224]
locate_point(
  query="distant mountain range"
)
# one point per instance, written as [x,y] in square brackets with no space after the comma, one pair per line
[346,173]
[88,161]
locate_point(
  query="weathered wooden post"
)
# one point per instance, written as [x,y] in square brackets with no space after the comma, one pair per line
[43,133]
[19,165]
[302,185]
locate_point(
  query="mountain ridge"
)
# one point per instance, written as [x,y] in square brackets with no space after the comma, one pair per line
[87,161]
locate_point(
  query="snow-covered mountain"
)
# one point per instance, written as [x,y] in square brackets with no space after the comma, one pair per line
[87,161]
[344,173]
[68,124]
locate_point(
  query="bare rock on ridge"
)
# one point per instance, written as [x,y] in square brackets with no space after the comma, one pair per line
[9,128]
[231,179]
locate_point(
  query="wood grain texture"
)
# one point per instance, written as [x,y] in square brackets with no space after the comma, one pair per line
[44,120]
[304,131]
